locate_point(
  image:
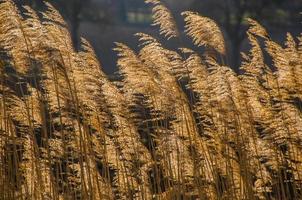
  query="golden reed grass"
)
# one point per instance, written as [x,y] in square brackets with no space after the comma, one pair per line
[181,125]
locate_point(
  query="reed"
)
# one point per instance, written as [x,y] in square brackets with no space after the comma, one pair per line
[179,125]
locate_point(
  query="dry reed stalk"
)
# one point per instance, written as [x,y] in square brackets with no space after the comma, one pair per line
[192,129]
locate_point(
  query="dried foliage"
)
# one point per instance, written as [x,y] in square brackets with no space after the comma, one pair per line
[204,31]
[164,19]
[178,125]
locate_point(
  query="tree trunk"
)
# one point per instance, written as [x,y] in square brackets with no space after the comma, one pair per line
[75,22]
[235,56]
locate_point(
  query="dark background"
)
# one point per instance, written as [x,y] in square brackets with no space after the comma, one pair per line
[104,22]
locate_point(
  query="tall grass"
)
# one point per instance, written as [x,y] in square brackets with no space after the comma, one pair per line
[180,125]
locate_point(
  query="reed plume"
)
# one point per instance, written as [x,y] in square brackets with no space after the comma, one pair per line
[163,18]
[204,31]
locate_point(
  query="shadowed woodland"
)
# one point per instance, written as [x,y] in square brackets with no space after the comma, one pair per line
[176,125]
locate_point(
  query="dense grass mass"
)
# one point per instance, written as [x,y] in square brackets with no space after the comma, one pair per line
[180,125]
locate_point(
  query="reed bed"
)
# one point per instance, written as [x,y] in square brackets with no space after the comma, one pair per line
[180,125]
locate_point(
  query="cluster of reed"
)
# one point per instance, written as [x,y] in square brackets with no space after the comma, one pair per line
[178,126]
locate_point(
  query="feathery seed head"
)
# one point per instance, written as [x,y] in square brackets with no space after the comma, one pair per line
[53,15]
[257,29]
[204,31]
[163,18]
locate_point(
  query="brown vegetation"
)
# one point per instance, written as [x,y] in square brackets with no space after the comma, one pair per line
[179,125]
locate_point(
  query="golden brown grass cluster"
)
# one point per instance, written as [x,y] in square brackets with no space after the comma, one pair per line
[181,125]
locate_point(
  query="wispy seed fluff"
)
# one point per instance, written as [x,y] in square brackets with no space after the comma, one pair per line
[163,18]
[256,29]
[204,31]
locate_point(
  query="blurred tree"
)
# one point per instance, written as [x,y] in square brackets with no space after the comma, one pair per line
[72,11]
[76,11]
